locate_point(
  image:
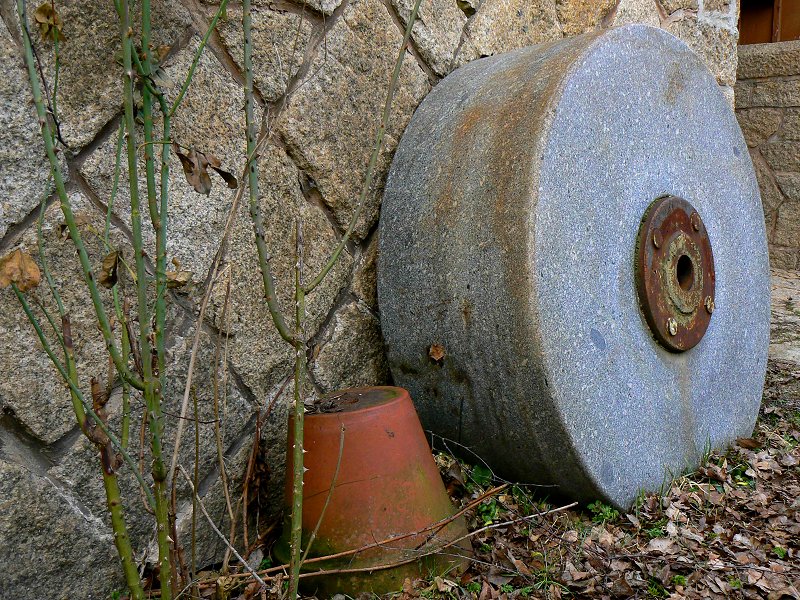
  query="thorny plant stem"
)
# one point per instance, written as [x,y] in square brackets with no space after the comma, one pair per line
[76,390]
[196,483]
[108,466]
[152,387]
[159,215]
[373,159]
[110,211]
[149,162]
[57,62]
[114,182]
[157,204]
[121,538]
[264,256]
[52,323]
[49,278]
[221,364]
[66,206]
[214,265]
[158,208]
[47,274]
[296,534]
[126,390]
[313,535]
[231,537]
[72,374]
[161,251]
[110,482]
[196,59]
[125,340]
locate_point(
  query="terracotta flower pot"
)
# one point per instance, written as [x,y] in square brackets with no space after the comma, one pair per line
[388,485]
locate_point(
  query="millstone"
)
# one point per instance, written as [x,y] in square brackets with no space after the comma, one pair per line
[573,275]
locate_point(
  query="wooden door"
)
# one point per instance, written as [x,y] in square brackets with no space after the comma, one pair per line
[763,21]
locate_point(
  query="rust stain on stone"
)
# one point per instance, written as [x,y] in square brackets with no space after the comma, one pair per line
[466,312]
[509,169]
[446,203]
[675,84]
[468,120]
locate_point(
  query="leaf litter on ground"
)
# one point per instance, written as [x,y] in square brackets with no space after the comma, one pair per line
[730,529]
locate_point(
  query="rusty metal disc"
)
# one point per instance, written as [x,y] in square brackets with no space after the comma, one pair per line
[674,272]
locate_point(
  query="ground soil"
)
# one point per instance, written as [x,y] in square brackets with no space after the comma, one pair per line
[731,529]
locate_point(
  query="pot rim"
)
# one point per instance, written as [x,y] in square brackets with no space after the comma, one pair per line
[399,395]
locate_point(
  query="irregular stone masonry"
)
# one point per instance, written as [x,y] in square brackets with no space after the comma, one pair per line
[323,86]
[768,109]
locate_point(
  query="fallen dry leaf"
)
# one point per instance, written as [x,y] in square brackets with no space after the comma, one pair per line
[748,443]
[20,269]
[436,352]
[444,585]
[177,279]
[195,167]
[108,270]
[215,164]
[714,472]
[49,22]
[662,545]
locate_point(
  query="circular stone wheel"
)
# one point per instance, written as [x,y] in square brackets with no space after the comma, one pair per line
[507,280]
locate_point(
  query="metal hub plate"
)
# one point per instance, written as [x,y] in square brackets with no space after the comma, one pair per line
[674,273]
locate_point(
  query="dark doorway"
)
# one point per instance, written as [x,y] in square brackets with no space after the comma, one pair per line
[762,21]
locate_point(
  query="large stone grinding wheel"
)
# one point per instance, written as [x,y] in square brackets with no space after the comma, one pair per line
[573,276]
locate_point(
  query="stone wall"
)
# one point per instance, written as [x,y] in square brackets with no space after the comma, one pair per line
[768,109]
[321,75]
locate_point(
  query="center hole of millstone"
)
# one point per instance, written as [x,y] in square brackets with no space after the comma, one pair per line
[684,272]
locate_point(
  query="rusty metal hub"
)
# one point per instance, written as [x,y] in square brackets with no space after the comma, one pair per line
[674,273]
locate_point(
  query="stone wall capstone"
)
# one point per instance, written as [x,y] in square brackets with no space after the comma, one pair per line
[321,72]
[768,109]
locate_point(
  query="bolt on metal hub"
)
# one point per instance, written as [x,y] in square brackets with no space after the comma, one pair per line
[674,272]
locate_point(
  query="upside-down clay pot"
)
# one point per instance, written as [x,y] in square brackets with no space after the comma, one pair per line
[387,485]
